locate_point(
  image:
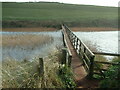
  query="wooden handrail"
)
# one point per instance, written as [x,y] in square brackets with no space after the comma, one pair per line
[111,63]
[109,54]
[66,43]
[69,54]
[86,54]
[82,49]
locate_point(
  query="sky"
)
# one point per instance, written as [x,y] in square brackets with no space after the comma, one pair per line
[113,3]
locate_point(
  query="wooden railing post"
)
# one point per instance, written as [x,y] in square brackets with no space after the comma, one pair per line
[64,54]
[91,68]
[69,61]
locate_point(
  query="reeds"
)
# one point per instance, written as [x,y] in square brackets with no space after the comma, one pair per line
[25,74]
[25,40]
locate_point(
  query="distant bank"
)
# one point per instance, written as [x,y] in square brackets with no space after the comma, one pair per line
[42,29]
[52,15]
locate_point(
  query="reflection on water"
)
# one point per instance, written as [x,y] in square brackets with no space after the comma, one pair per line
[104,41]
[20,53]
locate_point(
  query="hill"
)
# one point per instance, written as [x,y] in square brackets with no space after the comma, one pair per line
[47,14]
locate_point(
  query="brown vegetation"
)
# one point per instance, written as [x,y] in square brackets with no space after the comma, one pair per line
[39,29]
[25,40]
[93,29]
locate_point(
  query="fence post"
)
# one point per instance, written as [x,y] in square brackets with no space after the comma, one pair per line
[41,63]
[91,68]
[64,54]
[41,66]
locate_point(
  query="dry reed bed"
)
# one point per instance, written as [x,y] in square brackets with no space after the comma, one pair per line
[40,29]
[93,29]
[25,74]
[25,40]
[35,29]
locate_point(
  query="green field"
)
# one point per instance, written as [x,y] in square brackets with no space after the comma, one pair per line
[53,14]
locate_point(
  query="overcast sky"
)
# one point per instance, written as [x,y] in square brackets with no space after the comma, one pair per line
[87,2]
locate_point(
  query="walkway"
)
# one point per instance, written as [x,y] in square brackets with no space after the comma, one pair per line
[78,69]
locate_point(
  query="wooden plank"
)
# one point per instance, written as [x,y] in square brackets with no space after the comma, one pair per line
[86,65]
[111,63]
[87,59]
[97,73]
[95,65]
[110,54]
[101,69]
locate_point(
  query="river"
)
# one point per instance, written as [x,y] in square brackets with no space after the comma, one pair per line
[102,41]
[29,53]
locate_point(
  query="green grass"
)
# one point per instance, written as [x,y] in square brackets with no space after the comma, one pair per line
[55,13]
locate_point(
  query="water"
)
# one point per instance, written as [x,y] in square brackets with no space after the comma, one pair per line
[104,41]
[29,53]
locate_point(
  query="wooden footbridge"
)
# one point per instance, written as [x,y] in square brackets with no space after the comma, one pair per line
[81,59]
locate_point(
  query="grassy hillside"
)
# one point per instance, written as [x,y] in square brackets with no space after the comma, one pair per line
[52,14]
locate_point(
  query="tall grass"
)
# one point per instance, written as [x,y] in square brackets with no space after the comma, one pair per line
[25,74]
[16,74]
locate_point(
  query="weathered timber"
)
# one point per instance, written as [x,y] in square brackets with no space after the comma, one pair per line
[67,55]
[109,54]
[64,54]
[90,75]
[41,63]
[82,50]
[86,55]
[100,70]
[110,63]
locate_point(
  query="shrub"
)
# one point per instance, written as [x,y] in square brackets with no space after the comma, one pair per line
[67,77]
[112,78]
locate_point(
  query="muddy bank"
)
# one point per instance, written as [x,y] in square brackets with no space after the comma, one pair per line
[93,29]
[37,29]
[42,29]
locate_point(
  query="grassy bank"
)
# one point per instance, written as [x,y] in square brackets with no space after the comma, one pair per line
[25,74]
[53,14]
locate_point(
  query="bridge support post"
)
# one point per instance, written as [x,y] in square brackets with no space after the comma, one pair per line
[91,68]
[64,54]
[69,61]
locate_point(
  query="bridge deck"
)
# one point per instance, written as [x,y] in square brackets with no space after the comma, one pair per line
[78,69]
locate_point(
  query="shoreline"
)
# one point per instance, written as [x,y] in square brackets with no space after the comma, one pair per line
[75,29]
